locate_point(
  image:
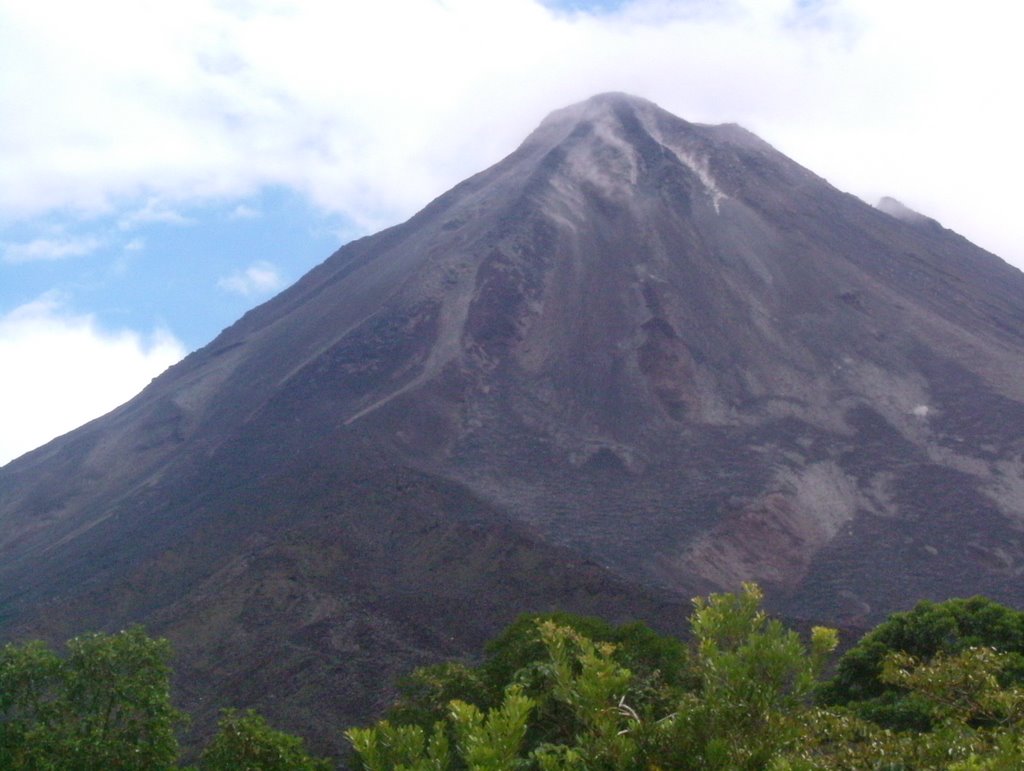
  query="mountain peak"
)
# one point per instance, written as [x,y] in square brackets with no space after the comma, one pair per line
[608,109]
[606,103]
[902,212]
[617,145]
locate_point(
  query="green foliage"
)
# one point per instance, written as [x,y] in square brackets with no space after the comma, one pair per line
[570,703]
[976,722]
[756,678]
[927,630]
[245,742]
[29,681]
[106,705]
[485,742]
[425,694]
[584,677]
[491,742]
[562,693]
[659,666]
[959,688]
[654,659]
[387,747]
[524,655]
[743,701]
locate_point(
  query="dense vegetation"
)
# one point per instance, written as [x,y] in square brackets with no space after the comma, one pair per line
[938,687]
[107,705]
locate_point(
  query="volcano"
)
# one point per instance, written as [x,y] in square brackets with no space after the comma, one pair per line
[636,360]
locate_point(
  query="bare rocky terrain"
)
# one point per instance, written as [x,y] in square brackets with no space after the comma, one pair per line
[636,360]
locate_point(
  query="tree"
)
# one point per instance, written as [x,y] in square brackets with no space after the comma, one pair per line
[927,630]
[569,702]
[975,722]
[520,655]
[106,705]
[653,658]
[756,680]
[245,742]
[488,741]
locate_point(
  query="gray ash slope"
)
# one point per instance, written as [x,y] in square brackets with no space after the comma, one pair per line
[637,359]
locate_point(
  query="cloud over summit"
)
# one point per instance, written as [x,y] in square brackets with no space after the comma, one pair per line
[371,109]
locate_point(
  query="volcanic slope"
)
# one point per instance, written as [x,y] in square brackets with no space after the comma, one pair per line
[637,359]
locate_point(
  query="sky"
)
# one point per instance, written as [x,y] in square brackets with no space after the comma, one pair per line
[166,166]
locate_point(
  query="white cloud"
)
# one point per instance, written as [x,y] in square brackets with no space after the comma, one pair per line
[243,212]
[49,249]
[154,211]
[61,370]
[371,109]
[260,278]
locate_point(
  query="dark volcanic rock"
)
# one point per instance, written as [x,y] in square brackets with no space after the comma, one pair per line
[637,359]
